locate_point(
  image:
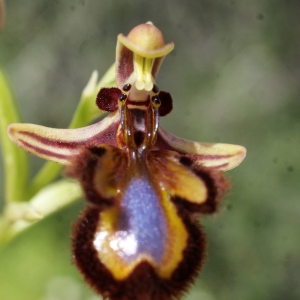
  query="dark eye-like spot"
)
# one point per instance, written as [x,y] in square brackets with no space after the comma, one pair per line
[98,151]
[166,103]
[122,97]
[155,89]
[186,161]
[127,87]
[156,101]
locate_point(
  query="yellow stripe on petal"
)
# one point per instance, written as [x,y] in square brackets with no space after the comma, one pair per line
[177,239]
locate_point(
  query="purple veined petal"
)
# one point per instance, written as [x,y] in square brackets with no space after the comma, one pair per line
[218,156]
[59,145]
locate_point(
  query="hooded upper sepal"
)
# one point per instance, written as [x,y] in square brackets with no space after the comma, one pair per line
[60,145]
[222,157]
[139,56]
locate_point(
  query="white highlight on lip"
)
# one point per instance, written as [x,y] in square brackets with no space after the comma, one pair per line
[122,242]
[99,239]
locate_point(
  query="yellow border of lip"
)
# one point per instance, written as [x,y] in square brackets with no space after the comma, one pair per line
[163,51]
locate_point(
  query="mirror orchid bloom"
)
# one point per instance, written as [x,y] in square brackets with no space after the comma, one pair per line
[138,237]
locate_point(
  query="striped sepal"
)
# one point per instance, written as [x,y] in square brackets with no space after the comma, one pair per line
[59,145]
[218,156]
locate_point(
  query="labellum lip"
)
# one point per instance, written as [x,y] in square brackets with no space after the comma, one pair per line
[146,236]
[149,230]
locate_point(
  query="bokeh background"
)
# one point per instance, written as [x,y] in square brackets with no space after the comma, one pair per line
[234,76]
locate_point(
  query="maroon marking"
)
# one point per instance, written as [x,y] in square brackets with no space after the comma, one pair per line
[156,66]
[107,136]
[98,151]
[138,103]
[124,66]
[162,144]
[211,157]
[219,166]
[197,157]
[166,103]
[139,137]
[55,143]
[43,151]
[107,99]
[186,161]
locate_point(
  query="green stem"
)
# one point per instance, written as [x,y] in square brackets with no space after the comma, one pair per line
[19,217]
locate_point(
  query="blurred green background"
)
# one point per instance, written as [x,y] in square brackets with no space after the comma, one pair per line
[234,76]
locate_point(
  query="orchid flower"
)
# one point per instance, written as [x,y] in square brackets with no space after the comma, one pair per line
[137,238]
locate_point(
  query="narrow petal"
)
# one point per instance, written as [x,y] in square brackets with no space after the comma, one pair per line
[222,157]
[59,145]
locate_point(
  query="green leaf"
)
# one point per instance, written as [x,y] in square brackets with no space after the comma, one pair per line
[15,159]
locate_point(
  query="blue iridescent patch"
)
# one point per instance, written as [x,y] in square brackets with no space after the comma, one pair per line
[143,218]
